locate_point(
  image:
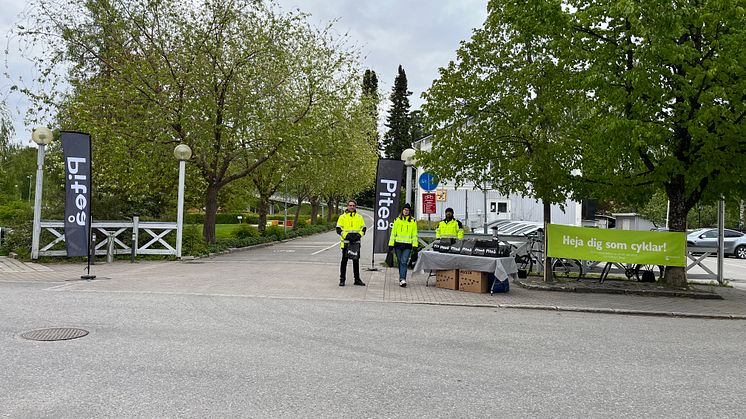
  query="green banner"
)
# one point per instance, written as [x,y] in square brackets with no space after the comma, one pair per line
[626,246]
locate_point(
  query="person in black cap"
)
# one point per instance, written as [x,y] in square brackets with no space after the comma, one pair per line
[449,228]
[403,239]
[351,228]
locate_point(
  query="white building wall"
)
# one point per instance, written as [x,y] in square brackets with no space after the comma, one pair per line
[468,204]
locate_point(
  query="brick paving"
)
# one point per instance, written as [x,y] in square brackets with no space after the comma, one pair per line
[227,276]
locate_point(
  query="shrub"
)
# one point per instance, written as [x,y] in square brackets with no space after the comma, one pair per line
[192,241]
[18,240]
[275,231]
[243,231]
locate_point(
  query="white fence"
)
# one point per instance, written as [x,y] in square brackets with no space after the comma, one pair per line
[110,238]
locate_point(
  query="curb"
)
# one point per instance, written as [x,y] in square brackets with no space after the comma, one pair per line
[651,293]
[628,312]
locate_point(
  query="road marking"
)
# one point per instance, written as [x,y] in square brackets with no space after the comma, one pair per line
[59,287]
[324,249]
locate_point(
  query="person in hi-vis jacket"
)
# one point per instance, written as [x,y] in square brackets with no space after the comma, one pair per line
[351,228]
[449,228]
[403,239]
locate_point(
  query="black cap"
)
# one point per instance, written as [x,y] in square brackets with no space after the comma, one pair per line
[407,206]
[449,210]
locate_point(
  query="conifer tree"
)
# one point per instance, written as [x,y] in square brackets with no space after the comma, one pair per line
[372,100]
[398,137]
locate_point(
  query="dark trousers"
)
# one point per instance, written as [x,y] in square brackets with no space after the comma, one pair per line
[343,266]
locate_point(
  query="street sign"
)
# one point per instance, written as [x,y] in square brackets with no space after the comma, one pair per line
[428,182]
[428,203]
[441,195]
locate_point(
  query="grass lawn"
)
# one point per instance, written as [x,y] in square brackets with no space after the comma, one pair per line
[223,231]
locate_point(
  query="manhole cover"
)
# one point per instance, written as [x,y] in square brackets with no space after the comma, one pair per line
[56,333]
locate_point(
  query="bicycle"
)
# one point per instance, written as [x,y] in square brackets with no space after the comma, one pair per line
[534,254]
[640,272]
[564,269]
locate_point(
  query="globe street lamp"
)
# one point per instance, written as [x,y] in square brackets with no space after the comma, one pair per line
[41,136]
[182,153]
[409,161]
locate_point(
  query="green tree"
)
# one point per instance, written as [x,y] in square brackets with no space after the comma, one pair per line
[416,126]
[221,77]
[372,100]
[6,129]
[631,97]
[398,138]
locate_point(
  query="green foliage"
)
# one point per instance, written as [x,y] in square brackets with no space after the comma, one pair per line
[398,137]
[18,240]
[275,231]
[15,212]
[240,82]
[243,231]
[224,244]
[594,99]
[192,242]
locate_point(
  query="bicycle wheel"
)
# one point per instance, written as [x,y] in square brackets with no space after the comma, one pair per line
[565,269]
[524,263]
[642,268]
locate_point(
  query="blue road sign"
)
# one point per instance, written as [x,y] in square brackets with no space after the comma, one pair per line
[428,182]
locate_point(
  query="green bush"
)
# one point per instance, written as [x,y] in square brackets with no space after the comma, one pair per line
[243,231]
[18,240]
[192,242]
[14,212]
[276,234]
[275,231]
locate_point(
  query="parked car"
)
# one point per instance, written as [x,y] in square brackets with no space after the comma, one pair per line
[734,241]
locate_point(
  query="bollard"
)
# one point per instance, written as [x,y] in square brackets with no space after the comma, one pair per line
[110,249]
[93,248]
[133,248]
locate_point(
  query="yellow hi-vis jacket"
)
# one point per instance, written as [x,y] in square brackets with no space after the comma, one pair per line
[404,231]
[350,222]
[450,230]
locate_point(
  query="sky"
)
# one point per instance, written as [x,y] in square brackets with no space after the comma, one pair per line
[419,35]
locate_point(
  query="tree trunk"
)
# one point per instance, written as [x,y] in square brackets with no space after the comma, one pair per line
[741,219]
[330,205]
[211,210]
[675,276]
[263,209]
[314,200]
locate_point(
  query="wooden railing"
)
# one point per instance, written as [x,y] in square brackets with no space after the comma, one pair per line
[116,238]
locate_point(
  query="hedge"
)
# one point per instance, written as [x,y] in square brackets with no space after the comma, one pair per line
[250,218]
[270,235]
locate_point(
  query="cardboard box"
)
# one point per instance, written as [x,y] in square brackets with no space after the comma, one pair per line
[473,281]
[447,279]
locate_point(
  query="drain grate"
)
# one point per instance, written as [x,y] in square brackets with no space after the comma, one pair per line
[55,333]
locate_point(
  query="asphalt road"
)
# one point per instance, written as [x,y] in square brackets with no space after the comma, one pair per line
[200,351]
[157,355]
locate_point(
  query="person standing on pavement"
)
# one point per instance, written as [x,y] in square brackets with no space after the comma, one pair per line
[403,239]
[351,228]
[449,228]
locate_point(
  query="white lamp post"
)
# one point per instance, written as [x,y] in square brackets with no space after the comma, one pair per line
[409,161]
[41,136]
[182,152]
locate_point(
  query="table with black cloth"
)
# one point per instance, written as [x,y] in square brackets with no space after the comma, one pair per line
[503,268]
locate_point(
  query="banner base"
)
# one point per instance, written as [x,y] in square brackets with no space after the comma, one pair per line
[88,277]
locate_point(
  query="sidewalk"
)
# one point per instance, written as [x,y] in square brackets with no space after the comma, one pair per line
[231,277]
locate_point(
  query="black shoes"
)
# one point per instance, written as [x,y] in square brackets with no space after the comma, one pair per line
[357,282]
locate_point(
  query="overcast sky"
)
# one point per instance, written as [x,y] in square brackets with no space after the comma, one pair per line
[421,35]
